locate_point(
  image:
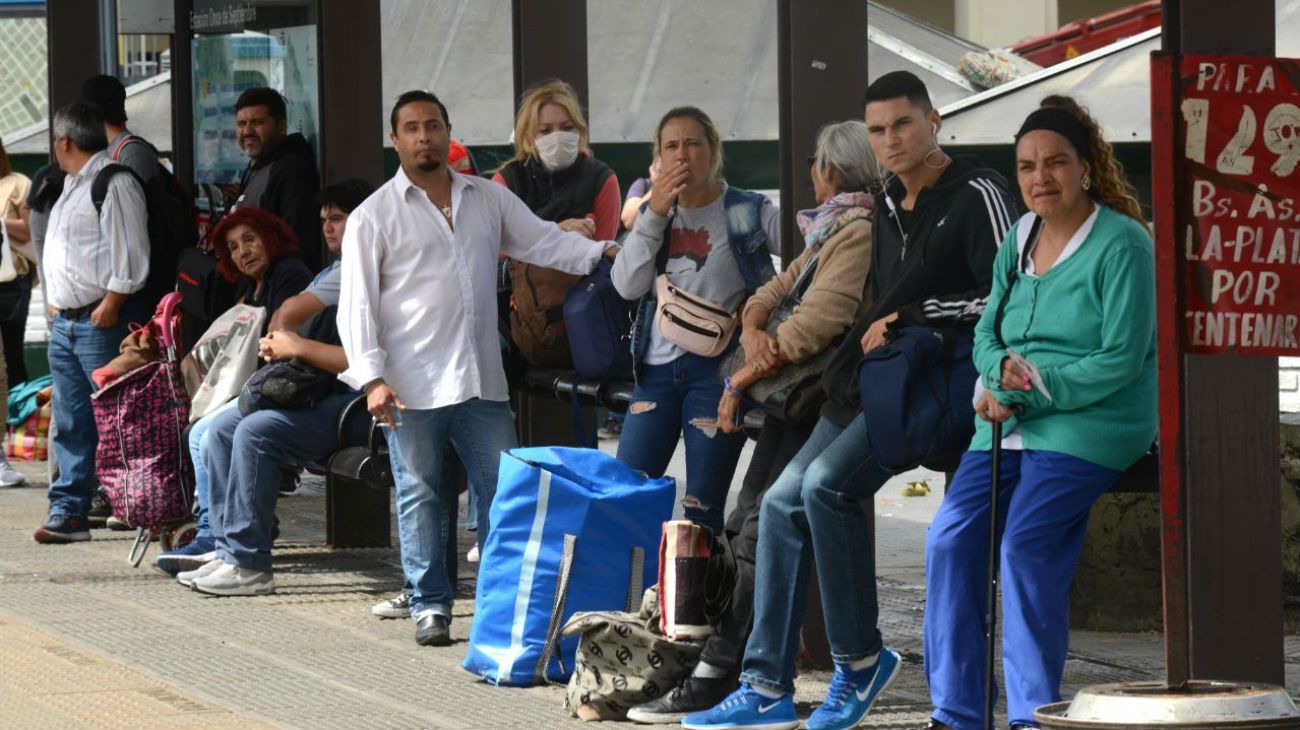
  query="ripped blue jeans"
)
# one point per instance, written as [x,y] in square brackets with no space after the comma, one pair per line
[665,402]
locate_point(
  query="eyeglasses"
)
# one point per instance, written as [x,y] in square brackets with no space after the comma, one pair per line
[811,160]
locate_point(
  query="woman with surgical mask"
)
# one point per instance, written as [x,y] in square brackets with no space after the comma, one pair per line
[553,170]
[557,177]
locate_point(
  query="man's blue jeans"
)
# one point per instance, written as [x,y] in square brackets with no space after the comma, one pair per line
[78,348]
[479,430]
[665,401]
[243,457]
[198,445]
[815,508]
[1043,504]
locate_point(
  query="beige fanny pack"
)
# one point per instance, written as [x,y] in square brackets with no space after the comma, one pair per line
[691,322]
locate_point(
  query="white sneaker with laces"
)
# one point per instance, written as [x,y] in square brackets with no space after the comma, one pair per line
[232,580]
[397,607]
[187,577]
[472,555]
[9,476]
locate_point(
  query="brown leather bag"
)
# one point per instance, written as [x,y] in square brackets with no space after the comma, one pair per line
[537,314]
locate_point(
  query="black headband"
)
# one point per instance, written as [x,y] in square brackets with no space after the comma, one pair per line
[1056,119]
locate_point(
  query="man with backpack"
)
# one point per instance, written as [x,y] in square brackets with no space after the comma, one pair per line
[170,213]
[125,147]
[96,257]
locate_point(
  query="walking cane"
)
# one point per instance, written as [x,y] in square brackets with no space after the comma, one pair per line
[992,615]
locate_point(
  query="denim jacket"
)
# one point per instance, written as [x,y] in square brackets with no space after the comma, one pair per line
[748,243]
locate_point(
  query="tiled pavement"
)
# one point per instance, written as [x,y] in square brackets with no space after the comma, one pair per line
[88,641]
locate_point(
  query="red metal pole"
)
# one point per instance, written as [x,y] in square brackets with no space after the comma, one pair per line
[1165,159]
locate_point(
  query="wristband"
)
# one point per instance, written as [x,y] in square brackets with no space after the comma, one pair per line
[730,389]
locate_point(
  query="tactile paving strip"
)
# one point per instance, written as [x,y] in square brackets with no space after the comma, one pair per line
[47,682]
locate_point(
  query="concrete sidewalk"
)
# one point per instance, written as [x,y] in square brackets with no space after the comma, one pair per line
[88,641]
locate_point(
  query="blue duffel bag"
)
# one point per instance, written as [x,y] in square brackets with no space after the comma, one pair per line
[599,323]
[572,530]
[916,398]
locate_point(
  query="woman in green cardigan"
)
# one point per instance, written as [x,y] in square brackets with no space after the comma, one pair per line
[1067,364]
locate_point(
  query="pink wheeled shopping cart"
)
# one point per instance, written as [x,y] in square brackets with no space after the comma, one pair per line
[140,461]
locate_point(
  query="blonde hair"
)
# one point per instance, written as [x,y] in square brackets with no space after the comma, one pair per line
[530,110]
[1109,186]
[711,135]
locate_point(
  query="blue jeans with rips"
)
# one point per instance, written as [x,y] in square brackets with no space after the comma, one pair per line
[815,509]
[479,430]
[77,348]
[666,400]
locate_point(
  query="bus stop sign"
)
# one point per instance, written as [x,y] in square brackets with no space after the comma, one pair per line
[1239,229]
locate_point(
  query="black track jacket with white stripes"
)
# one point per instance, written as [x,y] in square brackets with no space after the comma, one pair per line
[933,266]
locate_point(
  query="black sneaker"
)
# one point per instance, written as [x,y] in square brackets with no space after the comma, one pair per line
[290,480]
[432,629]
[693,694]
[99,510]
[63,529]
[936,725]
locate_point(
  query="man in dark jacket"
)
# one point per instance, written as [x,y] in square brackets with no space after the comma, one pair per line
[938,226]
[936,232]
[281,176]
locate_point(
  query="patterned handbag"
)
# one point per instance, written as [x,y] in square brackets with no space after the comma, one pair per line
[623,661]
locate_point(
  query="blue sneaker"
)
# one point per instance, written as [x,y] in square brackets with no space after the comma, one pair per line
[746,709]
[851,693]
[198,551]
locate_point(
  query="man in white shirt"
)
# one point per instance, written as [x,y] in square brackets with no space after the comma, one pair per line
[93,261]
[418,320]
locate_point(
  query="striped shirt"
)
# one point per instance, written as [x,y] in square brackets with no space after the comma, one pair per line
[88,255]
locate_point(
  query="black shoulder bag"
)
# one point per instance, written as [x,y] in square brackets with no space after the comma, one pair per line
[794,394]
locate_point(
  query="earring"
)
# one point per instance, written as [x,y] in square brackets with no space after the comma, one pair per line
[1086,181]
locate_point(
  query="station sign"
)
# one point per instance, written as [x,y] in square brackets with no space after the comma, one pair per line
[1238,229]
[222,16]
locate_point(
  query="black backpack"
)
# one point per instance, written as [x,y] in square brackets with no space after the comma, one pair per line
[170,220]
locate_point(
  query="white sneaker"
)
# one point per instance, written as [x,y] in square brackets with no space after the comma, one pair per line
[9,476]
[232,580]
[397,607]
[187,577]
[472,555]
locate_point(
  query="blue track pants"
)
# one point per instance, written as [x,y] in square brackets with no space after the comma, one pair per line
[1044,501]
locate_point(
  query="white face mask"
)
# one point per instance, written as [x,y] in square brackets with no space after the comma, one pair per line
[557,150]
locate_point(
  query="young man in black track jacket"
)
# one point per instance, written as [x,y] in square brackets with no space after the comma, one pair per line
[938,226]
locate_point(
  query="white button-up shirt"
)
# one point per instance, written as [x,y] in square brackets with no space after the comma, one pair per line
[418,301]
[89,254]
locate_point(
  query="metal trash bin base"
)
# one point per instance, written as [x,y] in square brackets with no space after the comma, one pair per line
[1199,705]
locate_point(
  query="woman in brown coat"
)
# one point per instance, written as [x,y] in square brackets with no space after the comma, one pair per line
[837,236]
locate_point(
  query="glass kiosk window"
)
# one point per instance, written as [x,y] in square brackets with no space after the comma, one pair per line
[242,45]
